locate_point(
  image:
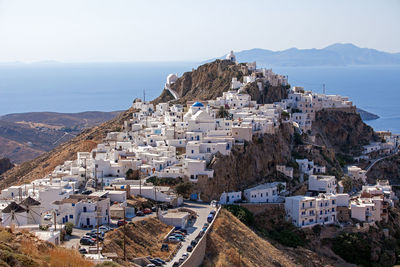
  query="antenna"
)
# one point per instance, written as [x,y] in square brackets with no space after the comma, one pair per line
[323,88]
[144,95]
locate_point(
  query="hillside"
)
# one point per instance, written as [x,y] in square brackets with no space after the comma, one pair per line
[21,248]
[24,136]
[143,238]
[232,243]
[210,80]
[46,162]
[333,55]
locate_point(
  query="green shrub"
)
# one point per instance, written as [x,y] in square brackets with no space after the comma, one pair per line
[353,247]
[243,214]
[69,226]
[287,237]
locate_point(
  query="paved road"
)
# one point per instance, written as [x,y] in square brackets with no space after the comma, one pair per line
[202,211]
[379,159]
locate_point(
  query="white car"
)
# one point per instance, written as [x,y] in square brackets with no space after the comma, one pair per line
[47,217]
[185,255]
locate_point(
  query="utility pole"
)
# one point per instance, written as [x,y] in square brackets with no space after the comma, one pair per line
[97,232]
[124,234]
[55,220]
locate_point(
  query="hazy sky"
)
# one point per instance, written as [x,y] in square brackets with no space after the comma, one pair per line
[128,30]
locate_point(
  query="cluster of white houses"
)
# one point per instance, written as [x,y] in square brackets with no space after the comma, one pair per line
[169,141]
[369,206]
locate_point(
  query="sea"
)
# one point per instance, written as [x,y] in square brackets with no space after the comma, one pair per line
[70,88]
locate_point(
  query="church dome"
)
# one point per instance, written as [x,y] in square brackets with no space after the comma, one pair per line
[197,104]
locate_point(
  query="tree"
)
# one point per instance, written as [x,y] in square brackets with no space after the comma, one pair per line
[347,183]
[280,187]
[222,112]
[183,188]
[132,174]
[69,226]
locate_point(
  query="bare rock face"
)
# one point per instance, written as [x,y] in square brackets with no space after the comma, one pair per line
[210,80]
[246,167]
[342,130]
[388,168]
[5,165]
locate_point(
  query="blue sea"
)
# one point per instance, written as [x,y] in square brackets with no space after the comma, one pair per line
[113,86]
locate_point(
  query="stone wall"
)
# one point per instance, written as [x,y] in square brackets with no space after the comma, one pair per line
[196,257]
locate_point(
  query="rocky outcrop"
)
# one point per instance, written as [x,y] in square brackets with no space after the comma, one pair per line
[212,79]
[388,168]
[5,165]
[249,165]
[342,130]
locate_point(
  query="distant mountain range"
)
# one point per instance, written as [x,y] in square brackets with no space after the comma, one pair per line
[333,55]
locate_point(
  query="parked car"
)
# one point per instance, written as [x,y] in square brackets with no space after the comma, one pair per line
[87,192]
[206,225]
[47,217]
[140,213]
[155,262]
[83,251]
[189,248]
[104,229]
[176,264]
[150,265]
[153,209]
[89,237]
[212,212]
[181,259]
[185,255]
[164,247]
[121,222]
[210,218]
[147,211]
[173,239]
[87,241]
[193,243]
[94,231]
[183,231]
[94,235]
[178,236]
[160,260]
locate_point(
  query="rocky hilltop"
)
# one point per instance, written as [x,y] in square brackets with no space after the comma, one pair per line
[212,79]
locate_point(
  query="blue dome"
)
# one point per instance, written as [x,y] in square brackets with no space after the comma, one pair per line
[197,104]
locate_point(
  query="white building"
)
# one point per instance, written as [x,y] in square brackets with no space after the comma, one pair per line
[322,184]
[268,192]
[84,211]
[304,211]
[230,197]
[357,173]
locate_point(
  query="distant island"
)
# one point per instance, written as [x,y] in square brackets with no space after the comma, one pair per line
[333,55]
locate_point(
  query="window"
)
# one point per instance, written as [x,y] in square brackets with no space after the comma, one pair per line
[192,151]
[71,216]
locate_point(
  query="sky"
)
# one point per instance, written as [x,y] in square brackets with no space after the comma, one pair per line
[187,30]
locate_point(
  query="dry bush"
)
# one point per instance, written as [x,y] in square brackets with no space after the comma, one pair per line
[61,257]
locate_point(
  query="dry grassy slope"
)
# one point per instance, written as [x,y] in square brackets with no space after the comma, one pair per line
[22,248]
[230,238]
[45,163]
[143,238]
